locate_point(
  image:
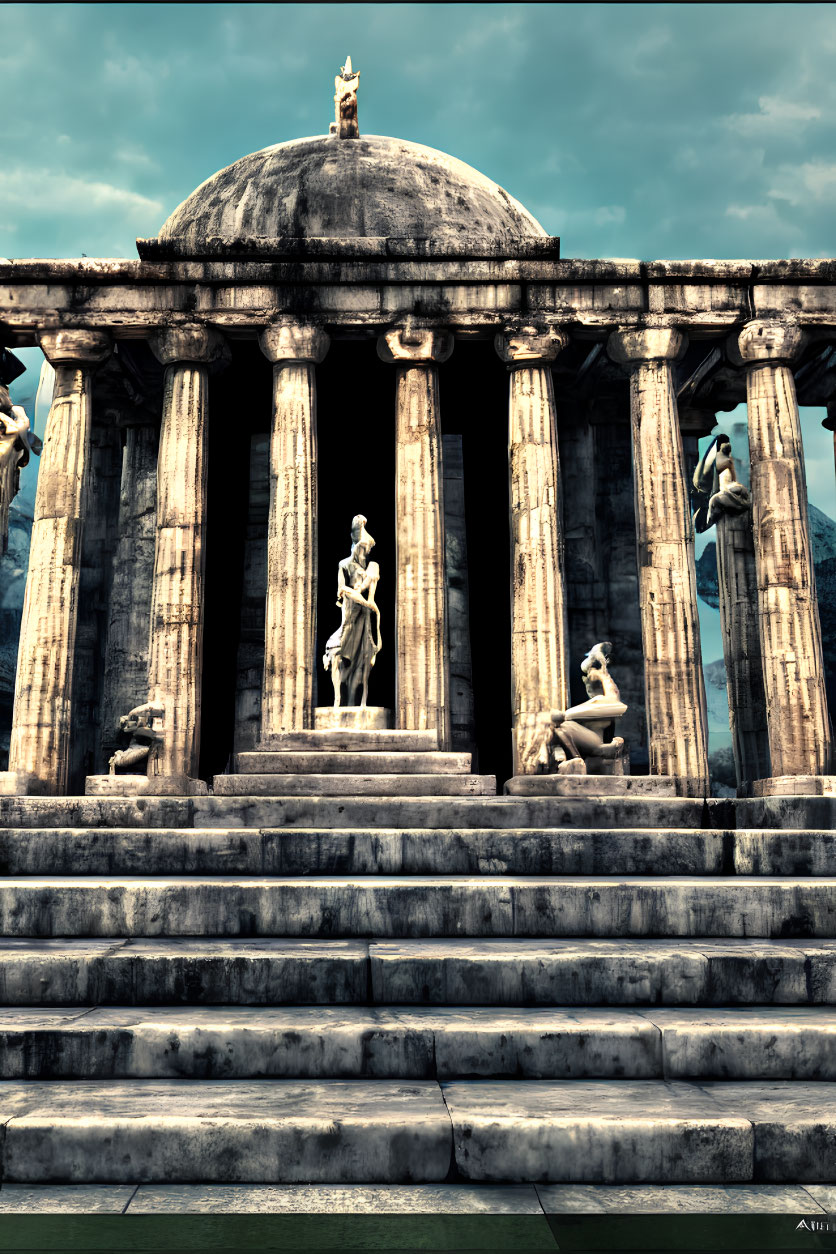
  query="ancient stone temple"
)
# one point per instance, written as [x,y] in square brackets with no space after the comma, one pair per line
[351,483]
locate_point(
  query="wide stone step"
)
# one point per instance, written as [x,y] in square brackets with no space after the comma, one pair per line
[637,1131]
[362,851]
[267,1130]
[333,1131]
[206,971]
[372,812]
[337,785]
[352,763]
[419,906]
[612,972]
[345,740]
[354,1042]
[148,972]
[413,851]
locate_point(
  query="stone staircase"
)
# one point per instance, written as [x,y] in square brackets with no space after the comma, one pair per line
[355,963]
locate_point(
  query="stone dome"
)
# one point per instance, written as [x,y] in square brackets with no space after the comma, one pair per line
[348,188]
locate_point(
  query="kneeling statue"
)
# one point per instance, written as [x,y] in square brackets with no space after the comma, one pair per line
[144,738]
[574,743]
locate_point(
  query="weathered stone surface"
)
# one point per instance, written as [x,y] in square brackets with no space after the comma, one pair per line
[399,188]
[589,972]
[419,906]
[66,1199]
[144,786]
[317,851]
[355,719]
[785,1043]
[147,972]
[335,1131]
[539,633]
[606,1131]
[349,1199]
[42,718]
[423,659]
[348,740]
[676,714]
[177,601]
[429,812]
[671,1199]
[462,713]
[597,786]
[794,1126]
[414,784]
[784,853]
[292,554]
[363,763]
[795,812]
[793,667]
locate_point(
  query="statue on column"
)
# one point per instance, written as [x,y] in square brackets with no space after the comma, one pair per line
[17,443]
[715,490]
[350,653]
[346,83]
[574,744]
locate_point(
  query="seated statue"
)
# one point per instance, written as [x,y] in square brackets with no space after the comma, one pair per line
[350,653]
[574,744]
[144,738]
[715,490]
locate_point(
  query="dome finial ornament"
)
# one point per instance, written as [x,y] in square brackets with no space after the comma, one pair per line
[345,102]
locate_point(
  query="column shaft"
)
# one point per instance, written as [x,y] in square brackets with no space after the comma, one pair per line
[42,708]
[539,635]
[793,667]
[42,719]
[742,646]
[289,676]
[176,638]
[422,652]
[126,659]
[674,689]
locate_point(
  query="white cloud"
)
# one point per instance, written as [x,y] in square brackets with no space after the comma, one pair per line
[799,184]
[777,114]
[35,190]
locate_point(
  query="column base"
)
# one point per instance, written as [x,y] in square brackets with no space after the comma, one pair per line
[144,786]
[790,786]
[352,718]
[20,784]
[603,786]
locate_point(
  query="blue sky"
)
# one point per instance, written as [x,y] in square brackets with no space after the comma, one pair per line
[650,131]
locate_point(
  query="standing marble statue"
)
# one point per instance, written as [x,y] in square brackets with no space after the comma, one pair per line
[351,651]
[574,744]
[346,83]
[17,443]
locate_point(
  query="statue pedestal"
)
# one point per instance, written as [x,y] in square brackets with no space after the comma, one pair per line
[352,718]
[144,786]
[601,786]
[19,784]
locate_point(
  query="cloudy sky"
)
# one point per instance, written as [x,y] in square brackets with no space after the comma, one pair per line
[650,131]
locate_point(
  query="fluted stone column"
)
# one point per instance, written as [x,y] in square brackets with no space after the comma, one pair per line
[126,655]
[738,599]
[287,702]
[176,634]
[39,757]
[793,670]
[422,663]
[674,688]
[539,633]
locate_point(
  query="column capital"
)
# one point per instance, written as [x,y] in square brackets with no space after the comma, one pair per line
[76,346]
[415,346]
[632,348]
[289,340]
[191,342]
[763,342]
[524,344]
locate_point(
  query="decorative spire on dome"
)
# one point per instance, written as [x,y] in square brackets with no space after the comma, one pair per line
[345,102]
